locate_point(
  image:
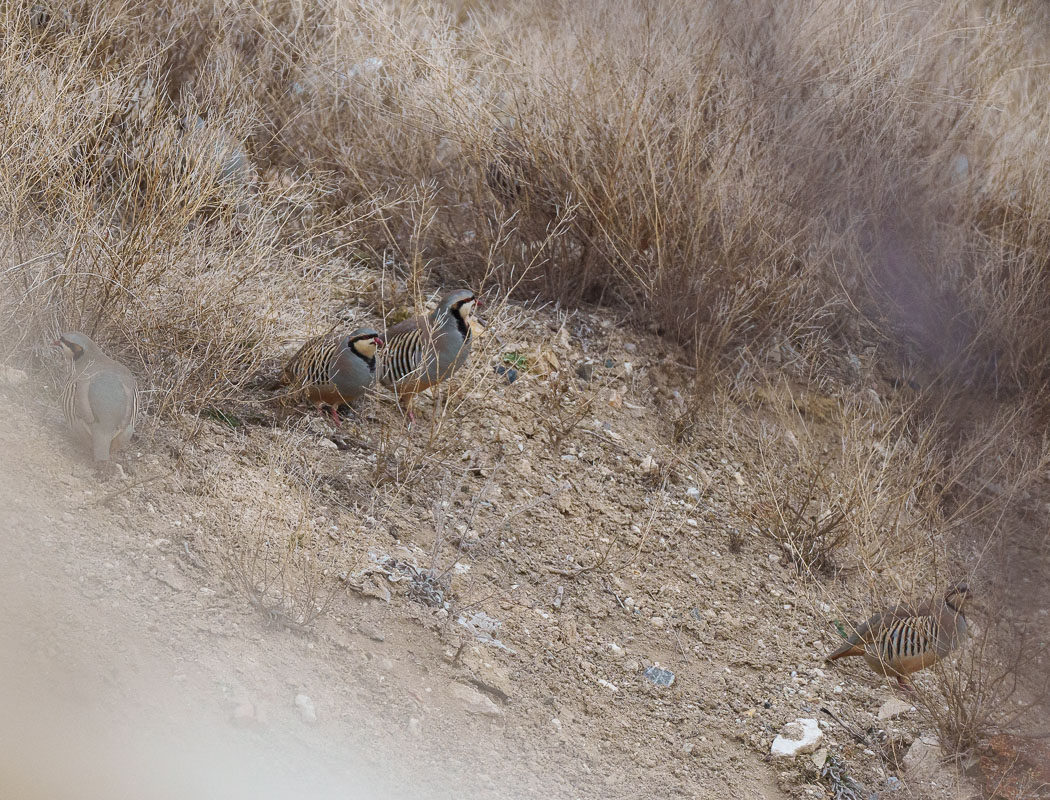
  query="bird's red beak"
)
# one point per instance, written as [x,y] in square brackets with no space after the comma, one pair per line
[378,342]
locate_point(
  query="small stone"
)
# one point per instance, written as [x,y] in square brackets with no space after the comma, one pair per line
[738,478]
[585,371]
[923,757]
[820,757]
[373,633]
[306,708]
[657,622]
[415,727]
[894,708]
[631,347]
[799,737]
[609,363]
[474,702]
[244,715]
[326,442]
[509,373]
[659,677]
[688,748]
[693,493]
[564,503]
[650,465]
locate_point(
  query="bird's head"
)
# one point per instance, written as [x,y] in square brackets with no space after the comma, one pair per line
[74,344]
[460,303]
[365,342]
[958,595]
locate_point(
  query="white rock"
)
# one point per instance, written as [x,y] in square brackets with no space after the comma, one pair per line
[798,737]
[475,702]
[923,757]
[650,465]
[693,493]
[894,708]
[306,708]
[657,622]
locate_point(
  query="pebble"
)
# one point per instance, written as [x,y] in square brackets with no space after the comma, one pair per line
[796,738]
[659,677]
[474,702]
[244,715]
[415,727]
[631,347]
[657,622]
[509,373]
[693,492]
[894,708]
[306,708]
[373,633]
[650,465]
[923,757]
[585,371]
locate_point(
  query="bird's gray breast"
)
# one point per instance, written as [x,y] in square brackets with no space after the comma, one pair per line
[451,351]
[352,375]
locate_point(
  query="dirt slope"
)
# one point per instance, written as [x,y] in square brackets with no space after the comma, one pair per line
[595,558]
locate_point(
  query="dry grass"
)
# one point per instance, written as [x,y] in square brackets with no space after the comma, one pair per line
[708,166]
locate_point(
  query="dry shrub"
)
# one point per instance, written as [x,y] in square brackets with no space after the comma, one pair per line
[271,540]
[809,174]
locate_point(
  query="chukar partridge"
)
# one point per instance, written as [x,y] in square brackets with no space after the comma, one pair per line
[334,369]
[905,639]
[101,397]
[423,351]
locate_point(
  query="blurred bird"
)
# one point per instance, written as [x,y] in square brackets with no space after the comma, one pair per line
[904,639]
[425,350]
[334,369]
[101,397]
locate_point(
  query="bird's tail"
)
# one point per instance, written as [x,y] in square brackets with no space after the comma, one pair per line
[848,648]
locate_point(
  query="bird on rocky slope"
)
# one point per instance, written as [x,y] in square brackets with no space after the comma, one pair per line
[904,639]
[425,350]
[334,369]
[100,399]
